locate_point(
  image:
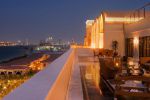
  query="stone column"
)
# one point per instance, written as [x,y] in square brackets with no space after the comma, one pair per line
[136,50]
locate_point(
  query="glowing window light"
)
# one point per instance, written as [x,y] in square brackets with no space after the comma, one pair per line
[97,37]
[93,45]
[93,37]
[122,19]
[101,44]
[101,24]
[136,40]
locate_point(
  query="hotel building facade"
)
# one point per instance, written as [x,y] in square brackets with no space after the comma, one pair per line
[130,29]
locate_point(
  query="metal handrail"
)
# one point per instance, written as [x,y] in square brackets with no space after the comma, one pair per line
[136,14]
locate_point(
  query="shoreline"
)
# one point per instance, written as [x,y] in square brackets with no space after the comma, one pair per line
[12,59]
[9,53]
[27,59]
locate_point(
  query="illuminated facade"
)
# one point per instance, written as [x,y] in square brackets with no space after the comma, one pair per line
[88,39]
[94,33]
[119,26]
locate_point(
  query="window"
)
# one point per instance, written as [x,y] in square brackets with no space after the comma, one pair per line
[129,47]
[144,46]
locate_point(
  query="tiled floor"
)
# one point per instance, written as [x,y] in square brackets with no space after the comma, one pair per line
[90,86]
[86,69]
[90,78]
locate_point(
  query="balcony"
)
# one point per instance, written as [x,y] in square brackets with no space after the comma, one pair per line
[61,79]
[78,75]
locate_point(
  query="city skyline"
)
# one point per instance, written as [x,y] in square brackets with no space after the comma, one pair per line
[35,20]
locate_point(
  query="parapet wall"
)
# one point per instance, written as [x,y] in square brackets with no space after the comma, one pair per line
[49,84]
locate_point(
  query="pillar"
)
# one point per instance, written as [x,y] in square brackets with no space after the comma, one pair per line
[136,50]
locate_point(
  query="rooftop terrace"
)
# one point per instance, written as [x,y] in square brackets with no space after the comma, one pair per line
[73,76]
[76,75]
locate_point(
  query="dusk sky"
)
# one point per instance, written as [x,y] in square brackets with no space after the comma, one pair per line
[63,19]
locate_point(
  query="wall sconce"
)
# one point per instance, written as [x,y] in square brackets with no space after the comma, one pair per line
[136,40]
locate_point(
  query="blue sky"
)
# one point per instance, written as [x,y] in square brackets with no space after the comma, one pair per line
[63,19]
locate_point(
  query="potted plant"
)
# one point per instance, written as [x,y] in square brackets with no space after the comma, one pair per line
[115,47]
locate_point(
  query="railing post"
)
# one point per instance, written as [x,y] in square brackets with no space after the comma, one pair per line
[138,14]
[144,12]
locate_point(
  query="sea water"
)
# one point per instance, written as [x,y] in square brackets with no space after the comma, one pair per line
[11,52]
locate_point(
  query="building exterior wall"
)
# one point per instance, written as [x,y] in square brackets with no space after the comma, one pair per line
[110,26]
[141,31]
[114,32]
[87,38]
[140,28]
[88,31]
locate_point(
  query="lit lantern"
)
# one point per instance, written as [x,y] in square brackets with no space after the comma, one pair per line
[117,64]
[131,63]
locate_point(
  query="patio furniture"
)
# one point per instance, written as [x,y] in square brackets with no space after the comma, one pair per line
[134,86]
[107,69]
[124,85]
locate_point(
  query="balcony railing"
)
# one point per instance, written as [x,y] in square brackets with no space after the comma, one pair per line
[140,13]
